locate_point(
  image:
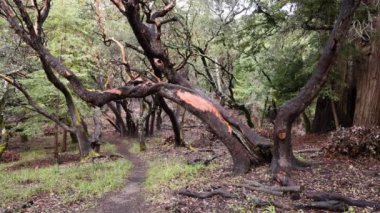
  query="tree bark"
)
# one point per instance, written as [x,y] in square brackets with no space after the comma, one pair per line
[367,110]
[246,147]
[323,119]
[76,120]
[119,120]
[283,159]
[64,141]
[173,119]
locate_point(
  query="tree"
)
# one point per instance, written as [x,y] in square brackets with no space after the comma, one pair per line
[283,159]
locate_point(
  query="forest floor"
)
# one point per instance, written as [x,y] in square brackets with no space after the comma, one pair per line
[130,198]
[158,175]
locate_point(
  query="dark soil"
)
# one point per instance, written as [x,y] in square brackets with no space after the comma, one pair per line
[130,198]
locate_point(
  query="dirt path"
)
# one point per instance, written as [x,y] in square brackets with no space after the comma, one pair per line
[130,198]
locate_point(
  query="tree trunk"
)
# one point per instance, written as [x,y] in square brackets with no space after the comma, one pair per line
[76,120]
[283,159]
[152,120]
[64,141]
[56,144]
[367,110]
[142,118]
[131,126]
[323,118]
[159,118]
[119,120]
[175,124]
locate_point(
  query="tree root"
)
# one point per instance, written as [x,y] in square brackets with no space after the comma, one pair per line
[204,195]
[331,205]
[331,196]
[294,188]
[262,203]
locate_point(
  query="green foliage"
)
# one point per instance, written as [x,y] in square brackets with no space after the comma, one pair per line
[85,181]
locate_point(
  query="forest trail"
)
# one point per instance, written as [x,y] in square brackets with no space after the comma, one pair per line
[130,198]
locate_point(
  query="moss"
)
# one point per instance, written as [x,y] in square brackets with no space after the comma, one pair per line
[89,157]
[3,146]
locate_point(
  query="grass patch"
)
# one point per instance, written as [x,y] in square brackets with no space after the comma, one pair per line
[108,148]
[73,182]
[135,147]
[169,173]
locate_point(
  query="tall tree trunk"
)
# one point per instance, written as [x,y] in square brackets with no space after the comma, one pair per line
[64,141]
[159,118]
[283,159]
[152,120]
[141,121]
[323,119]
[367,110]
[4,136]
[119,120]
[173,119]
[76,120]
[131,126]
[56,144]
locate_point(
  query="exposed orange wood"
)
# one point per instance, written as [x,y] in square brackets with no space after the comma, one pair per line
[201,104]
[114,91]
[281,134]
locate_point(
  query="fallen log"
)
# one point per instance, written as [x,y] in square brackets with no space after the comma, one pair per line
[204,195]
[331,205]
[328,196]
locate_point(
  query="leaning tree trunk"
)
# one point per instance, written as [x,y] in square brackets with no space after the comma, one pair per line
[173,119]
[4,137]
[283,159]
[76,121]
[245,146]
[367,110]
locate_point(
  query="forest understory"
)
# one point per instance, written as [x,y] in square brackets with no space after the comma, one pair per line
[204,169]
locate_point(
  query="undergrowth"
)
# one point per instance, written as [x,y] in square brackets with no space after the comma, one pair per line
[170,174]
[73,182]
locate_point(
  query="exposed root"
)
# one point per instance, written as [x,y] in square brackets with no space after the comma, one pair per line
[204,195]
[331,196]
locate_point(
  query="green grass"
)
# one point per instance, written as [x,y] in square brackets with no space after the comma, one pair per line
[170,173]
[108,148]
[73,182]
[135,147]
